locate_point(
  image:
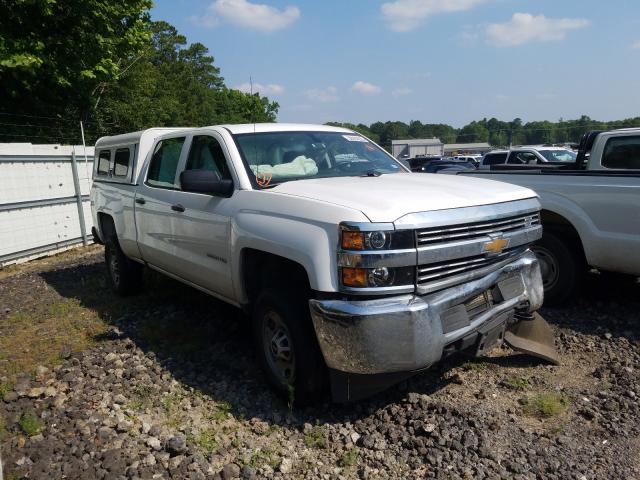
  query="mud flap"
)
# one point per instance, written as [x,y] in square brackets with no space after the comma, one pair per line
[533,336]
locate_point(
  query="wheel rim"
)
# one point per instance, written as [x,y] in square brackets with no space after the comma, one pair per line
[278,347]
[549,267]
[114,269]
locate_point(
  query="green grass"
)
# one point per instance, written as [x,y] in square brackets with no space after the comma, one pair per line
[3,427]
[37,335]
[517,383]
[475,366]
[350,458]
[316,437]
[5,388]
[207,442]
[221,411]
[30,424]
[545,405]
[263,457]
[141,399]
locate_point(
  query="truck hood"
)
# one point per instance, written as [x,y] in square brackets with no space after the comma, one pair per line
[389,197]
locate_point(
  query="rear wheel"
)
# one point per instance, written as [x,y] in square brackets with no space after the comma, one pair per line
[561,264]
[286,346]
[124,275]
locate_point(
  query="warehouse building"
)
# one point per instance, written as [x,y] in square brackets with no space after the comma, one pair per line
[453,149]
[417,147]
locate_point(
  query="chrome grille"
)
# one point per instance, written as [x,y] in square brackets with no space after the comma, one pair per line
[442,270]
[469,231]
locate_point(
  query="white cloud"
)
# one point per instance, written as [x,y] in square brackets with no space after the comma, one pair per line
[270,89]
[636,45]
[401,92]
[524,27]
[365,88]
[323,95]
[405,15]
[243,13]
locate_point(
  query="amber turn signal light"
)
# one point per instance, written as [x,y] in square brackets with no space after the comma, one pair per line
[354,277]
[352,240]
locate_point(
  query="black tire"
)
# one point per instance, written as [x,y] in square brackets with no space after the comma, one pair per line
[562,266]
[124,275]
[281,321]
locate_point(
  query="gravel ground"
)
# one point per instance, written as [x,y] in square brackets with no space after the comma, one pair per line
[169,389]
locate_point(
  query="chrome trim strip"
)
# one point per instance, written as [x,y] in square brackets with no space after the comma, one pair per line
[480,213]
[397,289]
[366,227]
[459,250]
[380,258]
[434,286]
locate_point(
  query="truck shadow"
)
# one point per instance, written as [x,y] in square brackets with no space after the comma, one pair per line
[205,344]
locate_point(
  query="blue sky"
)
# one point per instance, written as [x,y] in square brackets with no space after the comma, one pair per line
[437,61]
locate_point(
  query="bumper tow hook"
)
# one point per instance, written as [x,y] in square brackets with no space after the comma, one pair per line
[533,335]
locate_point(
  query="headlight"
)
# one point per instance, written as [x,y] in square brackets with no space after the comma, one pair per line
[377,277]
[376,240]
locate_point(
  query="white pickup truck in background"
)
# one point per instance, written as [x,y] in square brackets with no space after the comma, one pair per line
[590,210]
[347,263]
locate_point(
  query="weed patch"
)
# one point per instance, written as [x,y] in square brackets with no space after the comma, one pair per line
[316,437]
[30,424]
[475,366]
[517,383]
[207,442]
[545,405]
[350,458]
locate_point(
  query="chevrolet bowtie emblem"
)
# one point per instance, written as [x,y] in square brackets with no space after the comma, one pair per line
[495,246]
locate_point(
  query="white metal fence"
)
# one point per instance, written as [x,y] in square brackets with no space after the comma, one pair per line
[44,199]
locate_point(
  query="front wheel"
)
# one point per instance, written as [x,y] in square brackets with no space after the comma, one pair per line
[286,346]
[561,264]
[124,275]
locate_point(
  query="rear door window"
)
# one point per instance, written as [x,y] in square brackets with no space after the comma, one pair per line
[495,158]
[121,167]
[164,163]
[622,153]
[523,158]
[104,162]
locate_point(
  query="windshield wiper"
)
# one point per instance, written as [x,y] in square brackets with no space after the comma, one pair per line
[372,173]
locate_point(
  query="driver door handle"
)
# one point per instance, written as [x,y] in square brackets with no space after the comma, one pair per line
[140,200]
[177,208]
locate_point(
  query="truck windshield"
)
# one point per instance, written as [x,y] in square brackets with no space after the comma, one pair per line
[275,157]
[558,155]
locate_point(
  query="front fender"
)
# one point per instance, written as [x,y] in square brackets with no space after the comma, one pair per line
[301,230]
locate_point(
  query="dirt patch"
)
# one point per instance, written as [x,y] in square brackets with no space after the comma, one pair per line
[164,384]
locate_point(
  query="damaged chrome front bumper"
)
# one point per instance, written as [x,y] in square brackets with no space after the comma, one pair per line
[410,332]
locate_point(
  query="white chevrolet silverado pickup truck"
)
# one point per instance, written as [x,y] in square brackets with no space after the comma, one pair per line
[590,210]
[356,273]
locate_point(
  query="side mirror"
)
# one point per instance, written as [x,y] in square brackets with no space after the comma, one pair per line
[205,181]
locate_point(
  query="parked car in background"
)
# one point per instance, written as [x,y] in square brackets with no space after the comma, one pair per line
[355,272]
[475,159]
[529,155]
[590,209]
[439,164]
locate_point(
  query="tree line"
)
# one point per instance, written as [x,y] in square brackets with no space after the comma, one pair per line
[493,131]
[106,63]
